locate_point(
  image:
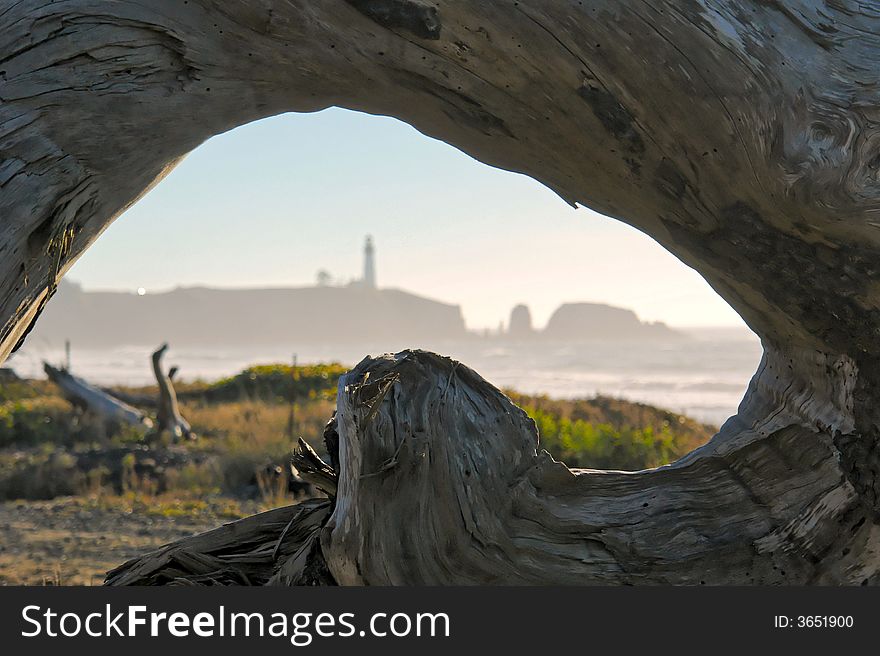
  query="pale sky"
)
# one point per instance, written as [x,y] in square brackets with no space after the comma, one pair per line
[271,203]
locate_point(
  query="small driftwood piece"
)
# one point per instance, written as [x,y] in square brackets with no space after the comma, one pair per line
[94,400]
[168,417]
[309,466]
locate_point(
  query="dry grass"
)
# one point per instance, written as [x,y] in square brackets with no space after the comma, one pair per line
[258,423]
[272,484]
[238,442]
[250,436]
[238,466]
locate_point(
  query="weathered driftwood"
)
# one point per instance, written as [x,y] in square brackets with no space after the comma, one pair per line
[741,134]
[168,417]
[308,466]
[94,400]
[443,481]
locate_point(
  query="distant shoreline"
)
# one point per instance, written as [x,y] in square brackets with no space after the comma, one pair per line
[316,315]
[704,376]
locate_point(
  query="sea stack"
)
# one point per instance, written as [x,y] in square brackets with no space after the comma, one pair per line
[520,323]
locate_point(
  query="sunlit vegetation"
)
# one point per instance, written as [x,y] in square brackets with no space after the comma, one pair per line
[607,433]
[105,493]
[247,425]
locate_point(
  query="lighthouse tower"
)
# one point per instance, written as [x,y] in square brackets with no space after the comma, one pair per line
[369,264]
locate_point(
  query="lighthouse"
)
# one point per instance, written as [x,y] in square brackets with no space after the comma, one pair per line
[369,279]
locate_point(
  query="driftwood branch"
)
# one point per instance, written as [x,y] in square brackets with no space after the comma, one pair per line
[168,417]
[94,400]
[309,466]
[743,135]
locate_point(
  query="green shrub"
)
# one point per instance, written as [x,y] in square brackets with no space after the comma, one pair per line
[580,443]
[49,419]
[275,383]
[32,421]
[41,475]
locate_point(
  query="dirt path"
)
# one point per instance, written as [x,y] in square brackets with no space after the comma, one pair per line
[74,541]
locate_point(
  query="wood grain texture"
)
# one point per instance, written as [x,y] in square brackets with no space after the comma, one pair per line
[446,483]
[742,135]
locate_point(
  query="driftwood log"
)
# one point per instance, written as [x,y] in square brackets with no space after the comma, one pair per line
[442,481]
[168,417]
[94,400]
[743,135]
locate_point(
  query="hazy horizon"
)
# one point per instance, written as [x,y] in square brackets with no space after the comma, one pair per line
[537,325]
[273,202]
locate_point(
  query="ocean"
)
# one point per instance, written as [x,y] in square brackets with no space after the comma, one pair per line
[703,376]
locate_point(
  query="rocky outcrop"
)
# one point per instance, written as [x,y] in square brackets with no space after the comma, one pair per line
[574,322]
[520,324]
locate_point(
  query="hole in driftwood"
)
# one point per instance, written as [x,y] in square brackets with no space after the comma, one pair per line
[271,203]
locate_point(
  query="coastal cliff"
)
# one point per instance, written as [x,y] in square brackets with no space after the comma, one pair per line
[189,316]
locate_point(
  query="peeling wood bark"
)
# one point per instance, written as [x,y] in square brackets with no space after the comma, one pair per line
[309,466]
[742,135]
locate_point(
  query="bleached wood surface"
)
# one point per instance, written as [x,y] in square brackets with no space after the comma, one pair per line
[741,135]
[95,400]
[168,417]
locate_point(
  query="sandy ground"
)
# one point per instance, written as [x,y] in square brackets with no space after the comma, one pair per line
[72,541]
